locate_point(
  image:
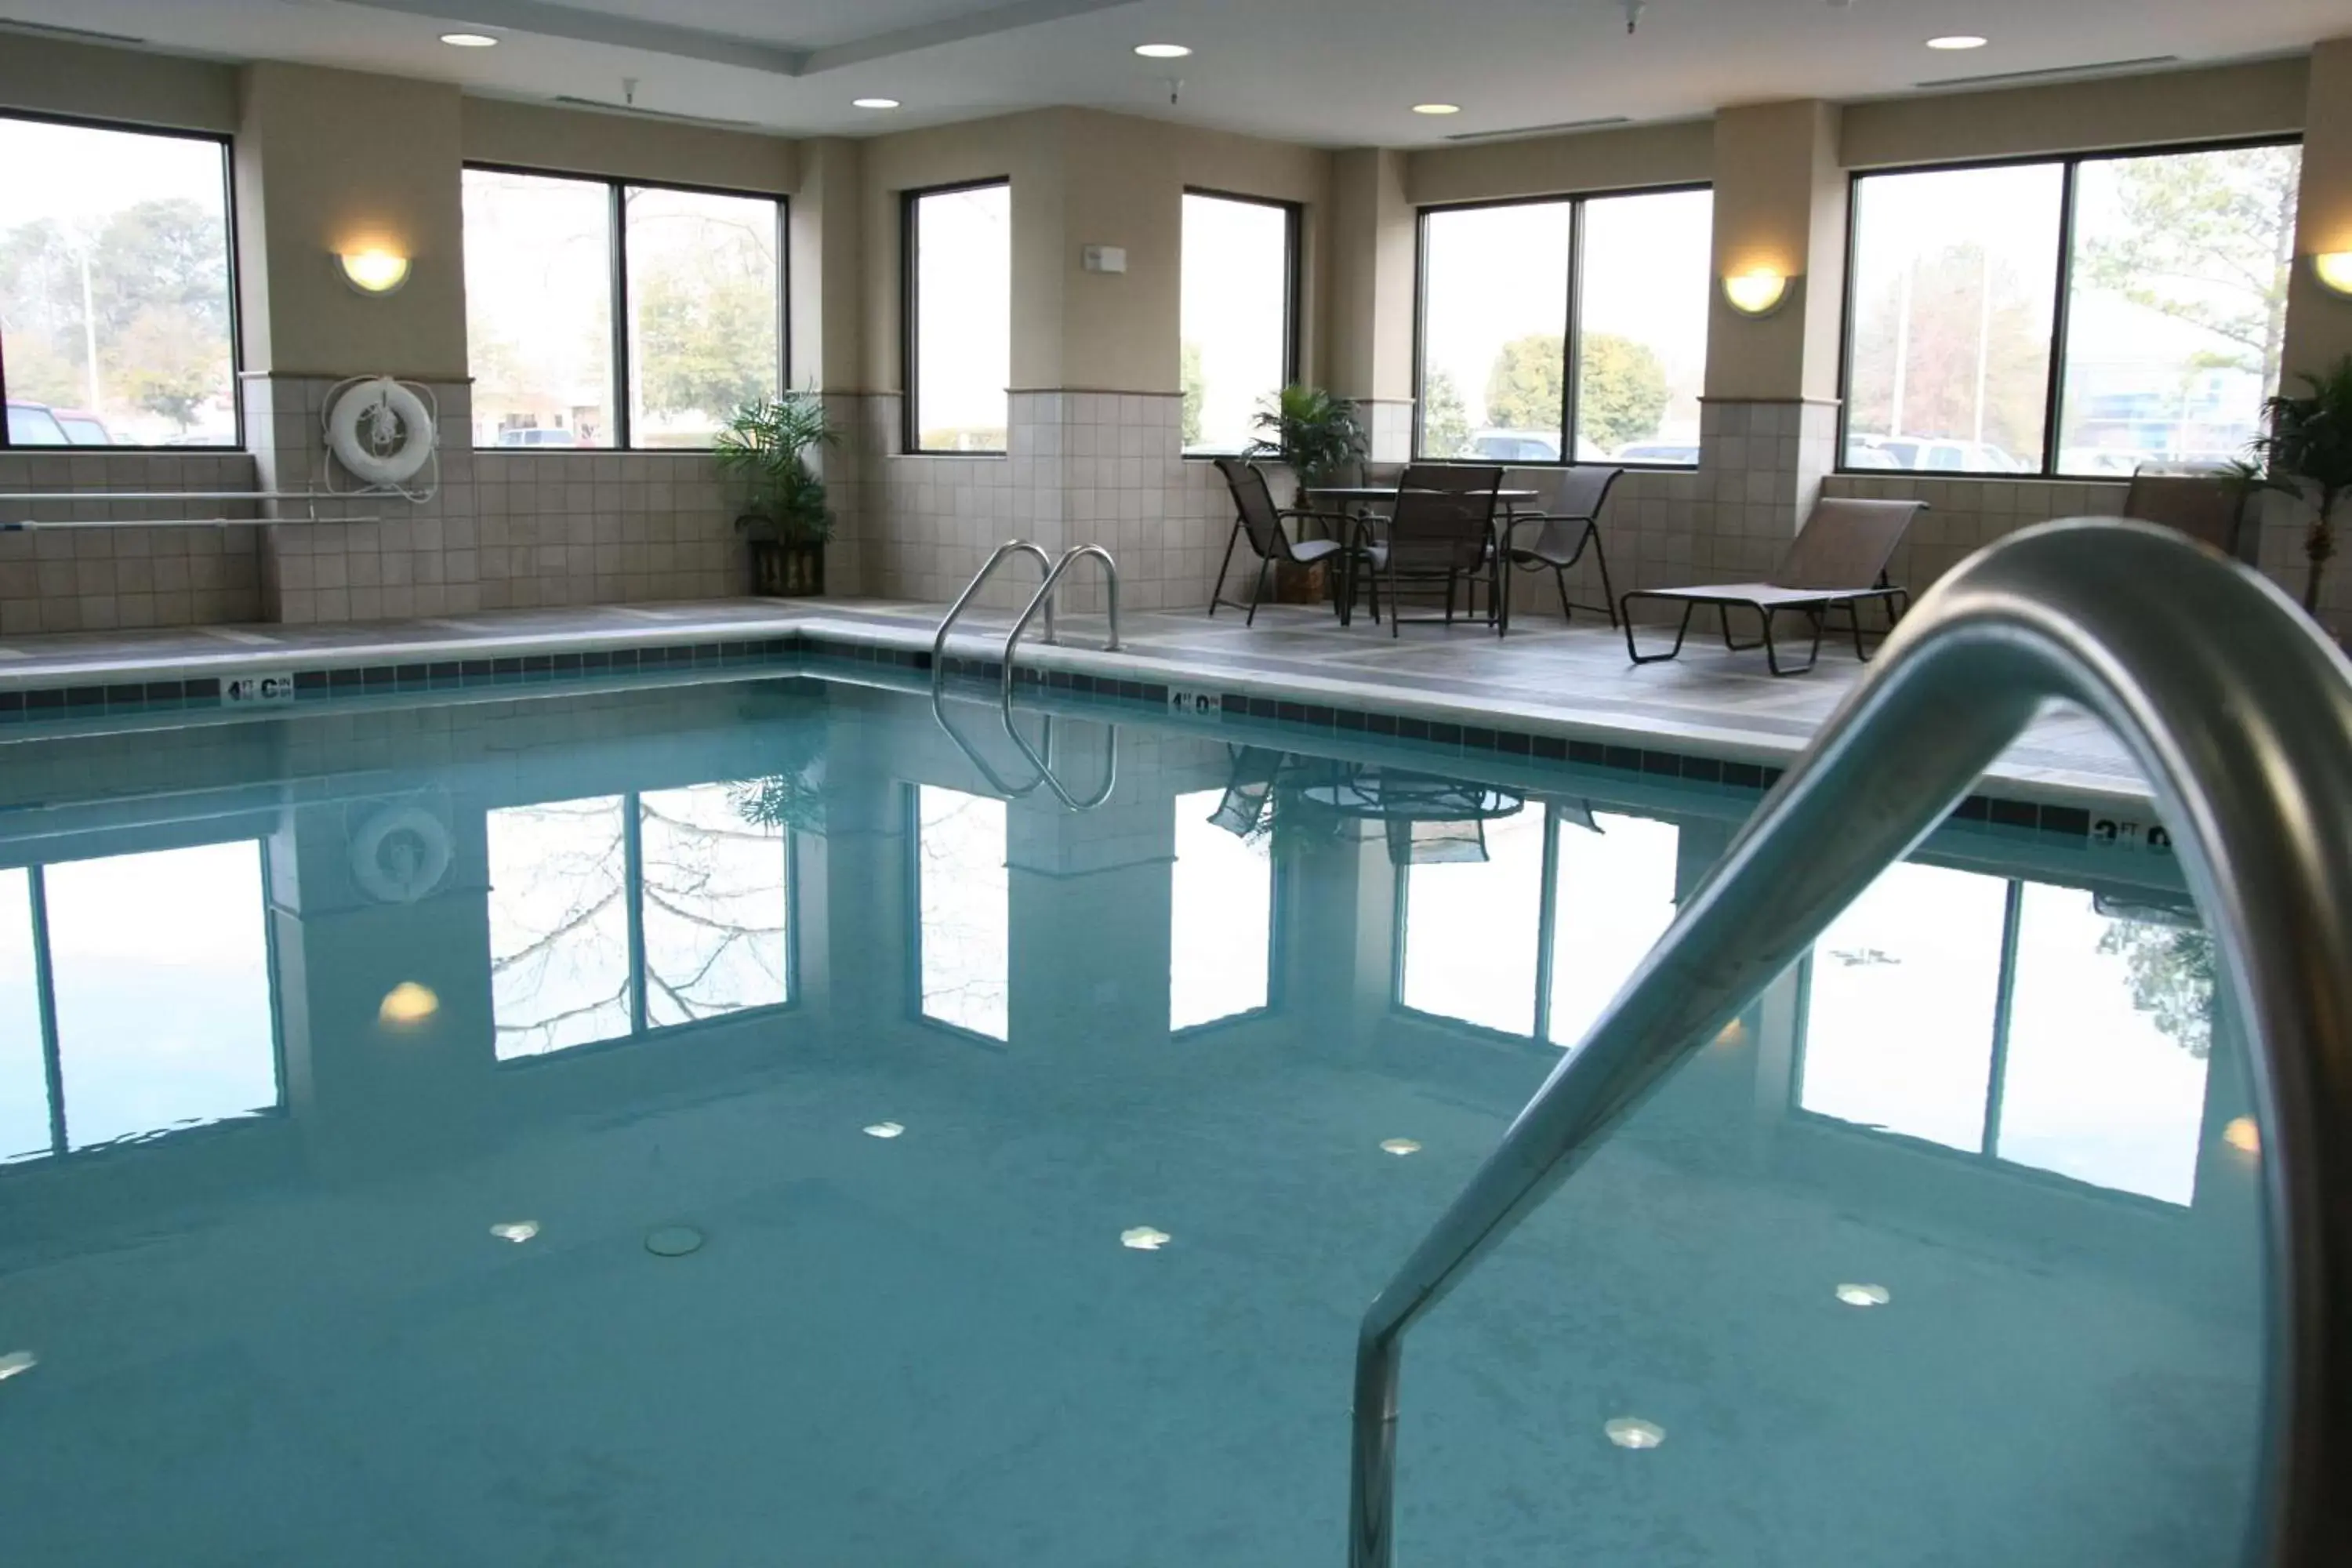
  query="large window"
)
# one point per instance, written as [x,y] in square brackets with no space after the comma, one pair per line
[1569,330]
[963,912]
[135,998]
[117,325]
[616,915]
[1240,305]
[959,318]
[2017,1021]
[603,314]
[2135,303]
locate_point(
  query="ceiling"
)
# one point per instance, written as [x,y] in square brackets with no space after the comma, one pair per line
[1329,72]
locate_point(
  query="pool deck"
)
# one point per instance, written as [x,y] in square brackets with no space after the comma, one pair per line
[1574,680]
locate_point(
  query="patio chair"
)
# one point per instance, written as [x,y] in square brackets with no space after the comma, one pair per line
[1838,562]
[2207,504]
[1565,533]
[1249,790]
[1440,530]
[1255,514]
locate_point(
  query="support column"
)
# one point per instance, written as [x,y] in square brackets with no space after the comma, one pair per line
[1371,293]
[2318,319]
[826,260]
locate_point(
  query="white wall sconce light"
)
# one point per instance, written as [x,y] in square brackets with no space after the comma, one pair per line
[1757,293]
[2334,270]
[374,271]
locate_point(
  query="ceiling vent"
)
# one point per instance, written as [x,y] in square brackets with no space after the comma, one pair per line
[1561,128]
[2053,73]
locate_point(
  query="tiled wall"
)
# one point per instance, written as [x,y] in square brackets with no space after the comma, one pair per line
[504,530]
[103,579]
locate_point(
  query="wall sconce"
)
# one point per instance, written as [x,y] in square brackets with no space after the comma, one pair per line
[376,272]
[1757,293]
[2334,270]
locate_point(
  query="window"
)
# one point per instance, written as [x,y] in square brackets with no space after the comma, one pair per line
[1240,280]
[1221,918]
[963,919]
[693,278]
[1512,296]
[2015,1021]
[618,915]
[959,318]
[2172,268]
[118,325]
[159,1014]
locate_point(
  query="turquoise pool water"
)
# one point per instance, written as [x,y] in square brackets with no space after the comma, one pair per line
[707,1125]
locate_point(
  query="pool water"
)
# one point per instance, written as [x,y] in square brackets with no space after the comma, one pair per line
[710,1125]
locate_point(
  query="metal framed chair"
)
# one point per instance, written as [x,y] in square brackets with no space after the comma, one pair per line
[1565,533]
[1440,531]
[1256,515]
[1838,562]
[2207,504]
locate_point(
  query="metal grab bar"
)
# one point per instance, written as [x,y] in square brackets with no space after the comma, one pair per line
[971,589]
[1044,598]
[2240,715]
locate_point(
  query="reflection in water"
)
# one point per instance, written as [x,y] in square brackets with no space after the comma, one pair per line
[716,907]
[558,925]
[1220,917]
[160,965]
[1613,896]
[24,1132]
[1471,930]
[963,902]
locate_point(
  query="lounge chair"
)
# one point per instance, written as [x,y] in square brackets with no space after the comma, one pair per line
[1564,532]
[1266,524]
[1839,561]
[2208,505]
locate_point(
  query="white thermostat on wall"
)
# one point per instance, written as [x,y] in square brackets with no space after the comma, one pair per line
[1103,258]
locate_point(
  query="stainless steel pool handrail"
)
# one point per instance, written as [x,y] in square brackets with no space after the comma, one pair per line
[1044,599]
[1047,777]
[2240,714]
[972,590]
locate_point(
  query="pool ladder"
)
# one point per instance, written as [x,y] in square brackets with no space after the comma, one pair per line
[1040,602]
[2239,713]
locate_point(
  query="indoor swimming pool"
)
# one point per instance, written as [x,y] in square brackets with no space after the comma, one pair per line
[706,1122]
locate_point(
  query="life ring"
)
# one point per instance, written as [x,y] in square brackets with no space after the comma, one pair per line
[367,418]
[400,853]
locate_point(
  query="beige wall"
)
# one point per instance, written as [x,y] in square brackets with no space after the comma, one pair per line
[571,141]
[826,233]
[1372,251]
[1681,153]
[48,76]
[1780,205]
[2319,321]
[312,183]
[2263,98]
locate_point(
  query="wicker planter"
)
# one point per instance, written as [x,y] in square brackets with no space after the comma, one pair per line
[781,571]
[1308,584]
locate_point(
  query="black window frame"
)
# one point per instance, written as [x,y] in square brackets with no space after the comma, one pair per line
[910,318]
[2053,392]
[1293,291]
[226,146]
[616,214]
[1572,338]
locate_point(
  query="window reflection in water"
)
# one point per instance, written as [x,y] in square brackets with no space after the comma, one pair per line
[1613,896]
[2109,1032]
[1220,917]
[1470,930]
[159,968]
[24,1078]
[1898,1034]
[716,907]
[963,911]
[558,925]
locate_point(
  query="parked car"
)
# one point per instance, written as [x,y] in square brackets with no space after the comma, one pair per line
[1944,455]
[1859,456]
[1514,446]
[41,424]
[1682,452]
[537,436]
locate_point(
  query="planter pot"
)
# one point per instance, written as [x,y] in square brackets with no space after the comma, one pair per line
[781,571]
[1301,585]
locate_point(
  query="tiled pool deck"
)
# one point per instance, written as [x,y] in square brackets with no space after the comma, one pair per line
[1545,678]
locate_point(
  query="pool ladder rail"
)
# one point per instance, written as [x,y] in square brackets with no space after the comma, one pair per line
[1040,603]
[2239,713]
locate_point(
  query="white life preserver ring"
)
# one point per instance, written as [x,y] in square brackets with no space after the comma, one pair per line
[400,853]
[363,423]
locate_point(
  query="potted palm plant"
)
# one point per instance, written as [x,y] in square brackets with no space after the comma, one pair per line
[765,447]
[1320,439]
[2306,453]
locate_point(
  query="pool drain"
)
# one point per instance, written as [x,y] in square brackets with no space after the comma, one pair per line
[673,1241]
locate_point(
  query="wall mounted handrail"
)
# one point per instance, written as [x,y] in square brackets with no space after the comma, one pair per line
[972,590]
[2240,714]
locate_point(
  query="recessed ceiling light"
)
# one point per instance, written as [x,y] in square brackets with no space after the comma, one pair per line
[1956,41]
[470,40]
[873,104]
[1437,108]
[1162,51]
